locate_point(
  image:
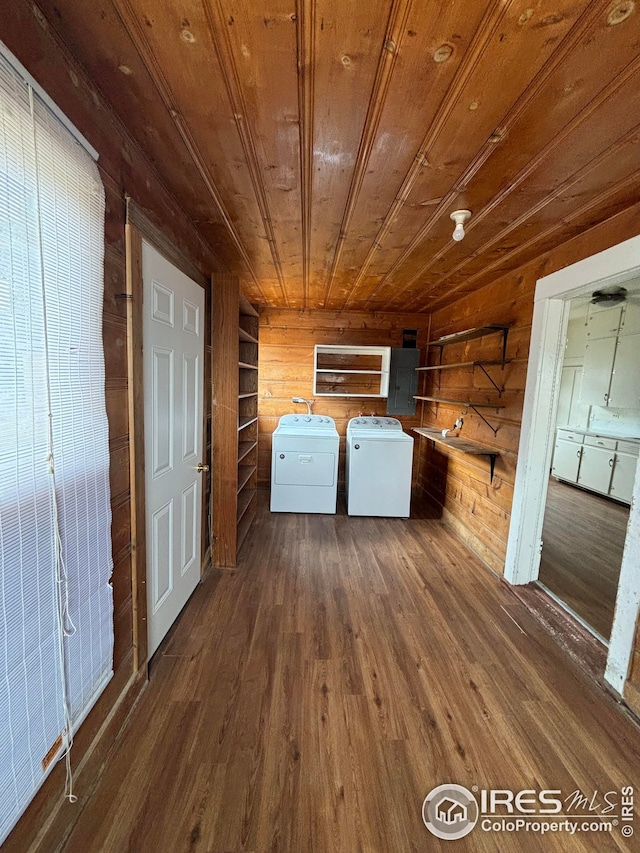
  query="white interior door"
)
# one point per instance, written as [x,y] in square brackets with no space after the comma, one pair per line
[173,356]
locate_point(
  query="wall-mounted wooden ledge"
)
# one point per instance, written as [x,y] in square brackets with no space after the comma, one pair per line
[461,445]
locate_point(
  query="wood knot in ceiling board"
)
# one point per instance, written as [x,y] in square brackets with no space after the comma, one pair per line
[525,16]
[619,12]
[549,21]
[442,53]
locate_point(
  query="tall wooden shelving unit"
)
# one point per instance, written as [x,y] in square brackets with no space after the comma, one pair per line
[234,375]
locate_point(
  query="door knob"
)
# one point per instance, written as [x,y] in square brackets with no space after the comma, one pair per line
[202,467]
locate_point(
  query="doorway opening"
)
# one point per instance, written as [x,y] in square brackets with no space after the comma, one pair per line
[618,266]
[596,440]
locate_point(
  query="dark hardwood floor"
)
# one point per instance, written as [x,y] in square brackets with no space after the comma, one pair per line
[583,538]
[309,700]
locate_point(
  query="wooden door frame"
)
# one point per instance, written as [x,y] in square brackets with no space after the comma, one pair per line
[138,228]
[548,336]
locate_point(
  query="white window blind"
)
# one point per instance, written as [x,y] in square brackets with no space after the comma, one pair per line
[56,610]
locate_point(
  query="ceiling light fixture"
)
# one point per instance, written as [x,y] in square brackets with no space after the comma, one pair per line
[609,295]
[460,217]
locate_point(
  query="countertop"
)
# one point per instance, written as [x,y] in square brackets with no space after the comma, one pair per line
[599,433]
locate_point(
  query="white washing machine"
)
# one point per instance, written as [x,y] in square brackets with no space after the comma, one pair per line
[304,464]
[379,465]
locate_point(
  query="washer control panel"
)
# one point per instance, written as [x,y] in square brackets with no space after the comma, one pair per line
[374,423]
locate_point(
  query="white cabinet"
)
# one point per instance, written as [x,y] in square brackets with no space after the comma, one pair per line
[603,321]
[600,464]
[596,465]
[349,371]
[630,323]
[624,474]
[599,355]
[624,391]
[571,411]
[611,376]
[576,334]
[566,460]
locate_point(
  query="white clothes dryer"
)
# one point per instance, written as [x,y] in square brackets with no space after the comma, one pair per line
[304,464]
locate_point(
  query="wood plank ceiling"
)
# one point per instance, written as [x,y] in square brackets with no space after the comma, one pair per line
[320,145]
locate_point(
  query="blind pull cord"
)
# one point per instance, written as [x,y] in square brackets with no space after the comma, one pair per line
[65,623]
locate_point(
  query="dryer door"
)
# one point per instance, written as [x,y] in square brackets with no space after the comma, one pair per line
[299,468]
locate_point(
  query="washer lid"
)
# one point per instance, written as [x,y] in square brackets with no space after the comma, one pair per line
[389,436]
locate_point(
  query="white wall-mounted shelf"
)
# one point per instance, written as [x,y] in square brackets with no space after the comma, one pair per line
[351,371]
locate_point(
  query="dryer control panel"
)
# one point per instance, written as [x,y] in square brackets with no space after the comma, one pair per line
[307,421]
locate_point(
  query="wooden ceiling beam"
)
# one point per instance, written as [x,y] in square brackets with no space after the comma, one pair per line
[306,51]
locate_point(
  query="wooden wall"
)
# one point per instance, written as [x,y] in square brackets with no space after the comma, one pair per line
[287,340]
[125,170]
[478,510]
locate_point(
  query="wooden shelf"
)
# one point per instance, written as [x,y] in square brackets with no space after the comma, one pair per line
[245,337]
[469,335]
[244,501]
[245,422]
[459,337]
[246,307]
[244,475]
[461,445]
[463,364]
[244,524]
[475,407]
[357,372]
[466,403]
[244,448]
[234,366]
